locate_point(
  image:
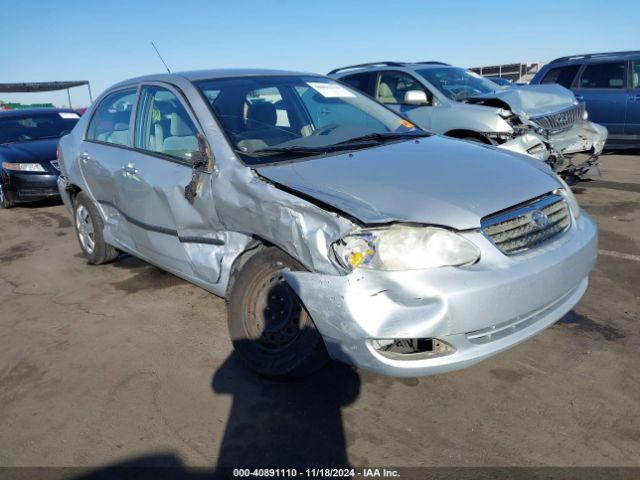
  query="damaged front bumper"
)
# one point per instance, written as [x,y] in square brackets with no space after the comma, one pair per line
[576,151]
[466,314]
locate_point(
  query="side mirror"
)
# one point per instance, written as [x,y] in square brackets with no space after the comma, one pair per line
[202,158]
[415,97]
[203,162]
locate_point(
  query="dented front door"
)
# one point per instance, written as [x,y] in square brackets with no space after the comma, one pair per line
[169,229]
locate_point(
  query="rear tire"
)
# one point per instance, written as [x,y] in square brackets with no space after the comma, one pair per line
[269,326]
[89,230]
[6,200]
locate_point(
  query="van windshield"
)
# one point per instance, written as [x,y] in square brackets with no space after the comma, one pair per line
[273,118]
[457,83]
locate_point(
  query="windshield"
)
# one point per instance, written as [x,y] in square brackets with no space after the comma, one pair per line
[36,126]
[272,118]
[457,83]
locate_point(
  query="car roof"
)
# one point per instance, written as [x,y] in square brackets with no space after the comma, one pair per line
[386,65]
[30,111]
[597,56]
[196,75]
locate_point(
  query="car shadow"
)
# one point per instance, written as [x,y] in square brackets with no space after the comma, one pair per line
[276,424]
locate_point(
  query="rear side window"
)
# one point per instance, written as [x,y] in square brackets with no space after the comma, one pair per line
[110,122]
[361,81]
[603,75]
[163,124]
[562,75]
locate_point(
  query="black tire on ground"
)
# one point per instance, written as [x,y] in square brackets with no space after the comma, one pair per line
[85,212]
[6,200]
[269,326]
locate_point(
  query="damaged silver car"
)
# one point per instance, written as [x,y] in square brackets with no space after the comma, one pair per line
[543,121]
[332,226]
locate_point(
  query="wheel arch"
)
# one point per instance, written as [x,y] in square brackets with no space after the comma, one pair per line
[462,133]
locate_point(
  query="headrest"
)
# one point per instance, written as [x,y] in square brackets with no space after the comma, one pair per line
[180,127]
[263,113]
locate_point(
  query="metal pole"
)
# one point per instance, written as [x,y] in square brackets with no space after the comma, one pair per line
[90,96]
[69,97]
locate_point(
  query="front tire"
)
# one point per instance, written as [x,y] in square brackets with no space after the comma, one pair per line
[6,200]
[269,326]
[89,228]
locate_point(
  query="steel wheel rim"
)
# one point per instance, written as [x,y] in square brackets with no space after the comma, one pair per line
[86,232]
[273,332]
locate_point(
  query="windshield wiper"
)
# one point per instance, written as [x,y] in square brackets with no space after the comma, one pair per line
[289,151]
[380,136]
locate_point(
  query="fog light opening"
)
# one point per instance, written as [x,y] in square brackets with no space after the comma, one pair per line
[411,348]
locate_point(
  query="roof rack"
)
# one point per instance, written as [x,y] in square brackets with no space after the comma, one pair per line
[587,56]
[371,64]
[431,62]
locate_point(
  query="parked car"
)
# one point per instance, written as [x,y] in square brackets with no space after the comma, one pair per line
[609,84]
[503,82]
[28,140]
[545,122]
[332,225]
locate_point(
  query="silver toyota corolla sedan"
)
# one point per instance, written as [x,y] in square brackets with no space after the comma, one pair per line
[331,225]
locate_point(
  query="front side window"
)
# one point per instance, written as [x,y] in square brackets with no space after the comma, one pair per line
[562,75]
[110,122]
[36,126]
[603,75]
[457,83]
[392,86]
[163,125]
[271,118]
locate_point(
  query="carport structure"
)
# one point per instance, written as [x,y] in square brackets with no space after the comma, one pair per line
[30,87]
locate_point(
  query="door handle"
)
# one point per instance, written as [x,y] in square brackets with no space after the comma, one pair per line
[85,157]
[130,169]
[634,98]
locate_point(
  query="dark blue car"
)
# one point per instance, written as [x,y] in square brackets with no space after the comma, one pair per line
[609,84]
[28,142]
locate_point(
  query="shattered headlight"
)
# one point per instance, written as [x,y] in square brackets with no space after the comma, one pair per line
[569,197]
[401,247]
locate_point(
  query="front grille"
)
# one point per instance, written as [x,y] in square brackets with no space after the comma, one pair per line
[562,120]
[528,226]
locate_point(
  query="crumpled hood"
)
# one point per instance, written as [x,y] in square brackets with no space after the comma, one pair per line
[36,151]
[437,181]
[531,100]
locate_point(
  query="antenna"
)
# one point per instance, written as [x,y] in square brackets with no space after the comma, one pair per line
[161,59]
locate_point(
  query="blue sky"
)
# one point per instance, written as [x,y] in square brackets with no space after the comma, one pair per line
[108,41]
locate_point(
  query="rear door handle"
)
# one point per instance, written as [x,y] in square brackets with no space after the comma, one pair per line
[130,168]
[634,98]
[85,157]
